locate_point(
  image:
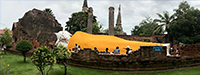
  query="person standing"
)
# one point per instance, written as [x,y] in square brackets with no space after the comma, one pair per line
[116,51]
[127,49]
[76,48]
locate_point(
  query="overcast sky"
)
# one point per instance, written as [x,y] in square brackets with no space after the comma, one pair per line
[132,11]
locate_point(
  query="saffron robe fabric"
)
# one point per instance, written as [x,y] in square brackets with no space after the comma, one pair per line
[101,42]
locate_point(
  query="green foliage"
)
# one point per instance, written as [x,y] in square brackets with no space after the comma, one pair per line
[42,57]
[146,28]
[61,53]
[6,38]
[48,10]
[23,46]
[190,40]
[186,26]
[165,20]
[135,30]
[18,68]
[106,31]
[78,22]
[96,27]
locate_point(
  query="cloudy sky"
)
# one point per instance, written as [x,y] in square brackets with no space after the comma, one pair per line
[132,11]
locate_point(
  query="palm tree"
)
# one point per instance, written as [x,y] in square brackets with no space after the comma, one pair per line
[48,10]
[165,20]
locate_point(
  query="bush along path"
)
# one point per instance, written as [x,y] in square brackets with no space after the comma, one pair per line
[42,57]
[62,54]
[24,46]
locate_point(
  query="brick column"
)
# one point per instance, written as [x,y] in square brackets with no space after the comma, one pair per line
[89,24]
[111,21]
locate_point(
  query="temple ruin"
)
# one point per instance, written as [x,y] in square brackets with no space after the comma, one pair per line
[37,27]
[119,23]
[111,21]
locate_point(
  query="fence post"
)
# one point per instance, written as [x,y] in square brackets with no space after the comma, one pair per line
[1,63]
[8,70]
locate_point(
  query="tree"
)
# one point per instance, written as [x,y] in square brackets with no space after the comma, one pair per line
[48,10]
[62,54]
[135,30]
[106,31]
[165,20]
[96,27]
[42,57]
[24,46]
[146,27]
[6,39]
[78,22]
[186,26]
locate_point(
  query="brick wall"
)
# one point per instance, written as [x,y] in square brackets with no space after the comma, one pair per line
[190,50]
[145,59]
[160,38]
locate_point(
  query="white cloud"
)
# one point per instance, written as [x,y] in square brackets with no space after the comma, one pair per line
[132,11]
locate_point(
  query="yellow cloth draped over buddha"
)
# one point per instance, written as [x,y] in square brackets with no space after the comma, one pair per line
[101,42]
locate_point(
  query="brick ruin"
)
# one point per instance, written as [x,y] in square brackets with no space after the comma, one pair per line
[190,50]
[162,38]
[154,38]
[37,27]
[145,59]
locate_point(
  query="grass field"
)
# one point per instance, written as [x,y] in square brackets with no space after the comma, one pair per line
[18,67]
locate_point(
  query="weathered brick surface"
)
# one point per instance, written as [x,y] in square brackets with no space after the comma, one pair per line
[37,27]
[153,38]
[136,61]
[145,59]
[190,50]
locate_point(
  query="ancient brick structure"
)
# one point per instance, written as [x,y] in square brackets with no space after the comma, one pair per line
[38,27]
[111,21]
[145,59]
[190,50]
[107,61]
[154,38]
[85,6]
[119,23]
[89,24]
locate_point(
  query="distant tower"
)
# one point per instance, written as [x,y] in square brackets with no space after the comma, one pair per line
[85,7]
[118,24]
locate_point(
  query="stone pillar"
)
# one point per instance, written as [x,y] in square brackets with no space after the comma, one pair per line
[89,24]
[111,21]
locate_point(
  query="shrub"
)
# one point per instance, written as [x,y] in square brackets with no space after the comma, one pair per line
[24,46]
[6,37]
[62,54]
[189,40]
[42,57]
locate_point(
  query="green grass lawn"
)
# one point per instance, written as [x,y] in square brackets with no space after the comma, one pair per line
[18,67]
